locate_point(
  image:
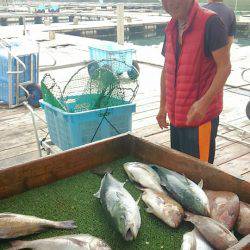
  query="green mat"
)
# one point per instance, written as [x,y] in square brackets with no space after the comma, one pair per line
[72,198]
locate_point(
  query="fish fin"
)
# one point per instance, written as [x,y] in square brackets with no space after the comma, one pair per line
[123,183]
[186,179]
[160,200]
[200,184]
[17,244]
[119,195]
[188,182]
[3,233]
[77,242]
[138,186]
[149,210]
[69,224]
[138,200]
[153,166]
[3,215]
[98,193]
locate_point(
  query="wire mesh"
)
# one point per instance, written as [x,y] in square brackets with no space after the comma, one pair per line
[93,86]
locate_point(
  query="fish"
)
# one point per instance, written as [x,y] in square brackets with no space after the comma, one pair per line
[16,225]
[186,192]
[101,171]
[121,206]
[67,242]
[243,244]
[224,207]
[201,243]
[144,175]
[213,231]
[194,241]
[163,207]
[188,241]
[243,221]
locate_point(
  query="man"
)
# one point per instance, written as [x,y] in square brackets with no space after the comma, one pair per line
[227,16]
[195,71]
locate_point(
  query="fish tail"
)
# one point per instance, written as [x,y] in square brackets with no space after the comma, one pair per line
[17,244]
[69,224]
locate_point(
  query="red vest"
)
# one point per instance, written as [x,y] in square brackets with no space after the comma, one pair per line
[188,81]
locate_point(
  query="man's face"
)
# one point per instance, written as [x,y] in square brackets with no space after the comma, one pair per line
[176,8]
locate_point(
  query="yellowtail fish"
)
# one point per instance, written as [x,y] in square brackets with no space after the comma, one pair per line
[16,225]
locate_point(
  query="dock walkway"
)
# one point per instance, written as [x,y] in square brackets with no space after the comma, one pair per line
[18,142]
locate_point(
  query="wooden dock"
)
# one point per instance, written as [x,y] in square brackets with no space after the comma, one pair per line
[95,24]
[18,142]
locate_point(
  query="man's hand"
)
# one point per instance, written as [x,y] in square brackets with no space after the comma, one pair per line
[197,112]
[161,119]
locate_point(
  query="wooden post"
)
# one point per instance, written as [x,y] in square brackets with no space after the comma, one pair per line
[24,26]
[75,20]
[52,35]
[120,23]
[47,21]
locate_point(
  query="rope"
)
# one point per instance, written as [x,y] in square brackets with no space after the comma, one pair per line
[104,116]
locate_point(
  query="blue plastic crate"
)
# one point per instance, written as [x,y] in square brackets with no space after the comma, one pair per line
[117,57]
[26,58]
[68,130]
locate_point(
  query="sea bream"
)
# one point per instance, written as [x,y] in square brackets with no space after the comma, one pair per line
[213,231]
[186,192]
[121,206]
[143,175]
[67,242]
[163,207]
[16,225]
[224,207]
[194,241]
[243,221]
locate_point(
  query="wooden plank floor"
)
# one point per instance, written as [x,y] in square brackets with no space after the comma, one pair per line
[18,142]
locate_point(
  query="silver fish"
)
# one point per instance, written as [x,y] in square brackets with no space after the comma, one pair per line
[188,241]
[16,225]
[194,241]
[201,243]
[243,221]
[187,193]
[164,207]
[121,206]
[213,231]
[144,175]
[67,242]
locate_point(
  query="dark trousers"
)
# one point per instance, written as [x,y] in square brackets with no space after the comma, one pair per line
[197,141]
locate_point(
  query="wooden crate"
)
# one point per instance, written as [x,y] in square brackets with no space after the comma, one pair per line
[20,178]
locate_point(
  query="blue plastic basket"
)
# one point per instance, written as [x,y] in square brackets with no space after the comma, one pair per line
[27,59]
[114,55]
[68,130]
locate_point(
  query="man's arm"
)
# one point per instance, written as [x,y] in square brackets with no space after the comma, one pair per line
[161,117]
[199,108]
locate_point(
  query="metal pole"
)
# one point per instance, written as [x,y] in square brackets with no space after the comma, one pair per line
[35,128]
[24,26]
[236,4]
[120,23]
